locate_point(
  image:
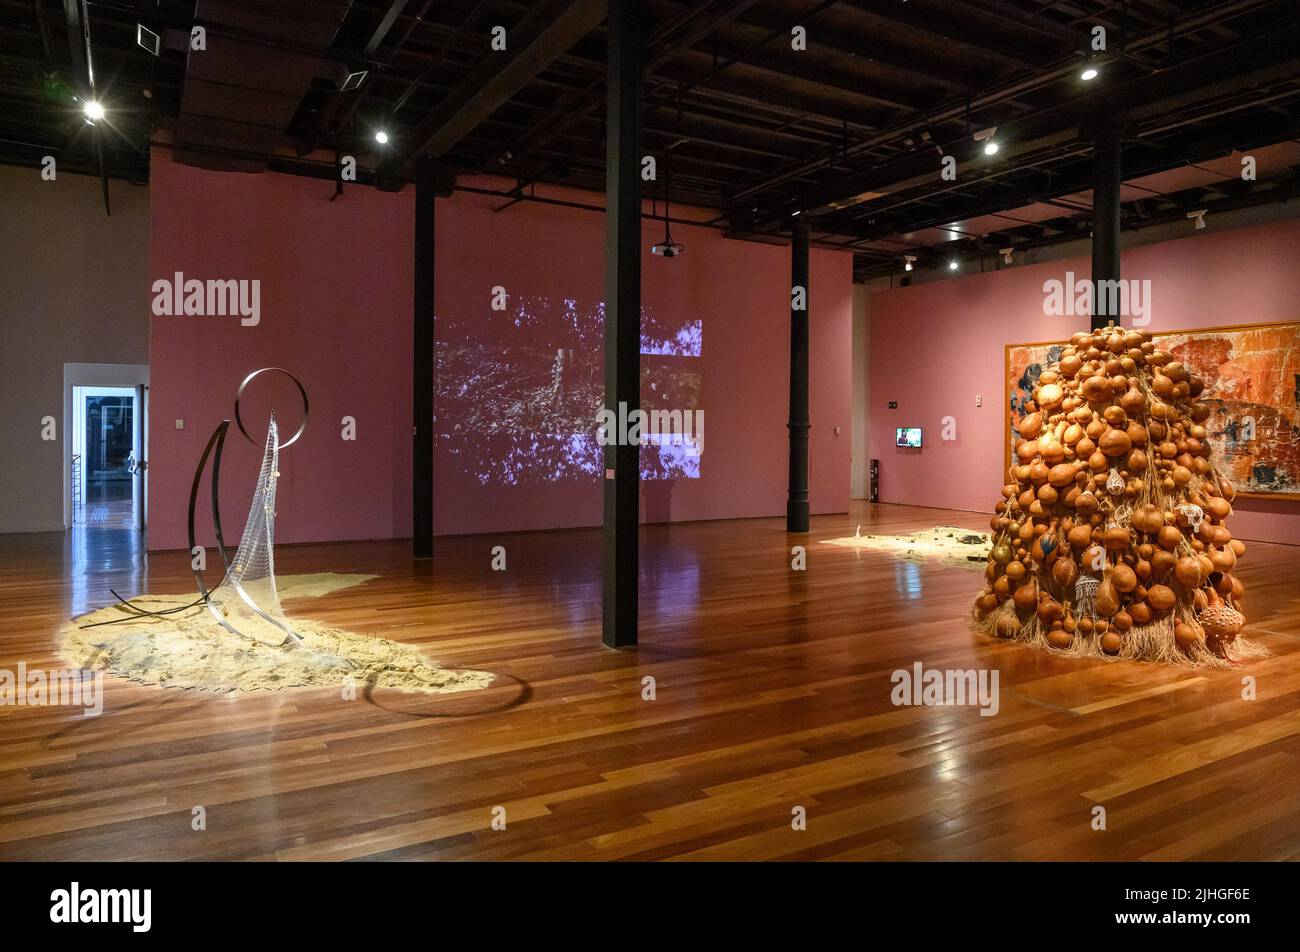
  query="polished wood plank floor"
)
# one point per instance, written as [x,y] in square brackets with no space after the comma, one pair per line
[773,692]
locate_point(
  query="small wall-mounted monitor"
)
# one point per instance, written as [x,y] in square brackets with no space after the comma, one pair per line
[909,436]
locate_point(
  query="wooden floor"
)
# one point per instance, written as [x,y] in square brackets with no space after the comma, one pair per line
[773,691]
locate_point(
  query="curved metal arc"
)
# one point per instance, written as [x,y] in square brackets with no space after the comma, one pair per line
[217,441]
[248,600]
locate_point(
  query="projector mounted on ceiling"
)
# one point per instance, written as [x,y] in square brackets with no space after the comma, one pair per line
[668,248]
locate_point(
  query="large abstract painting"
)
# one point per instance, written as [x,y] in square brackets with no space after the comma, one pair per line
[1252,382]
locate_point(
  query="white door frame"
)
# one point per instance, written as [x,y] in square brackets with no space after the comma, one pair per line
[90,375]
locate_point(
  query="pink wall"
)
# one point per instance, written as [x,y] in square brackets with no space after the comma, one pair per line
[936,346]
[739,291]
[336,309]
[336,289]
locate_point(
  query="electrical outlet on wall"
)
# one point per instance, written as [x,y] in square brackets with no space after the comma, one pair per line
[979,400]
[180,424]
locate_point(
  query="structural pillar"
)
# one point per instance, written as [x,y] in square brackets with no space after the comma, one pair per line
[622,320]
[423,363]
[796,507]
[1105,221]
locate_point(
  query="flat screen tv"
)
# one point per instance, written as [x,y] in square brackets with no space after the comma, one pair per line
[909,436]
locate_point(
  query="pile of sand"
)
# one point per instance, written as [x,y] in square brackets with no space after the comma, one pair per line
[190,649]
[949,544]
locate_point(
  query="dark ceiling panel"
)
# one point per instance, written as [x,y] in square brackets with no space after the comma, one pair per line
[242,93]
[852,127]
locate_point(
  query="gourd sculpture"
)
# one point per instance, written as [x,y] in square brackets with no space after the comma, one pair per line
[1111,536]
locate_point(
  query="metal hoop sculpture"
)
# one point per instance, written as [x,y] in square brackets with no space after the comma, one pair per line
[216,444]
[301,390]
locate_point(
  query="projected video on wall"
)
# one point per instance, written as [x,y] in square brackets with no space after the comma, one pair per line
[519,391]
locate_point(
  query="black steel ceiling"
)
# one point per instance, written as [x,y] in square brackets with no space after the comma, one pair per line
[849,131]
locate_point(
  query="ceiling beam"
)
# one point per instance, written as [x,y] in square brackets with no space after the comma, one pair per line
[861,49]
[659,50]
[938,26]
[544,34]
[1076,39]
[74,11]
[381,31]
[43,27]
[869,264]
[1140,159]
[796,66]
[1224,69]
[1004,92]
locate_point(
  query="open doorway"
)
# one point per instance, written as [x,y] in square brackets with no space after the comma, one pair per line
[104,459]
[106,434]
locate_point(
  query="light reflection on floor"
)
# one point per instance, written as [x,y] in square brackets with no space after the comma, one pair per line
[907,579]
[102,559]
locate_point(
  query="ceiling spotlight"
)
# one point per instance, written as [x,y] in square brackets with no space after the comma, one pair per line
[381,137]
[1006,254]
[990,147]
[952,265]
[1198,216]
[93,109]
[907,262]
[1089,73]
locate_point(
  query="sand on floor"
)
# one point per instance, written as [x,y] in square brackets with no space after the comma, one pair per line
[191,649]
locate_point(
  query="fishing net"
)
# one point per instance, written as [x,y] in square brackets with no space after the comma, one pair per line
[247,601]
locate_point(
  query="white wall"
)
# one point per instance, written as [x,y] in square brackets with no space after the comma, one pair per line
[73,289]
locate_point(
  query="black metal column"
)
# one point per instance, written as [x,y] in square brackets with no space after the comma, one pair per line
[1105,221]
[423,363]
[796,507]
[622,319]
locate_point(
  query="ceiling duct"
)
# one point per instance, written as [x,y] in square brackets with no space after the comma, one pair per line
[242,92]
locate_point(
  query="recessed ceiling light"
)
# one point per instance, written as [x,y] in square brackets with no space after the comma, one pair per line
[350,81]
[93,109]
[381,137]
[990,148]
[952,265]
[147,39]
[1089,73]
